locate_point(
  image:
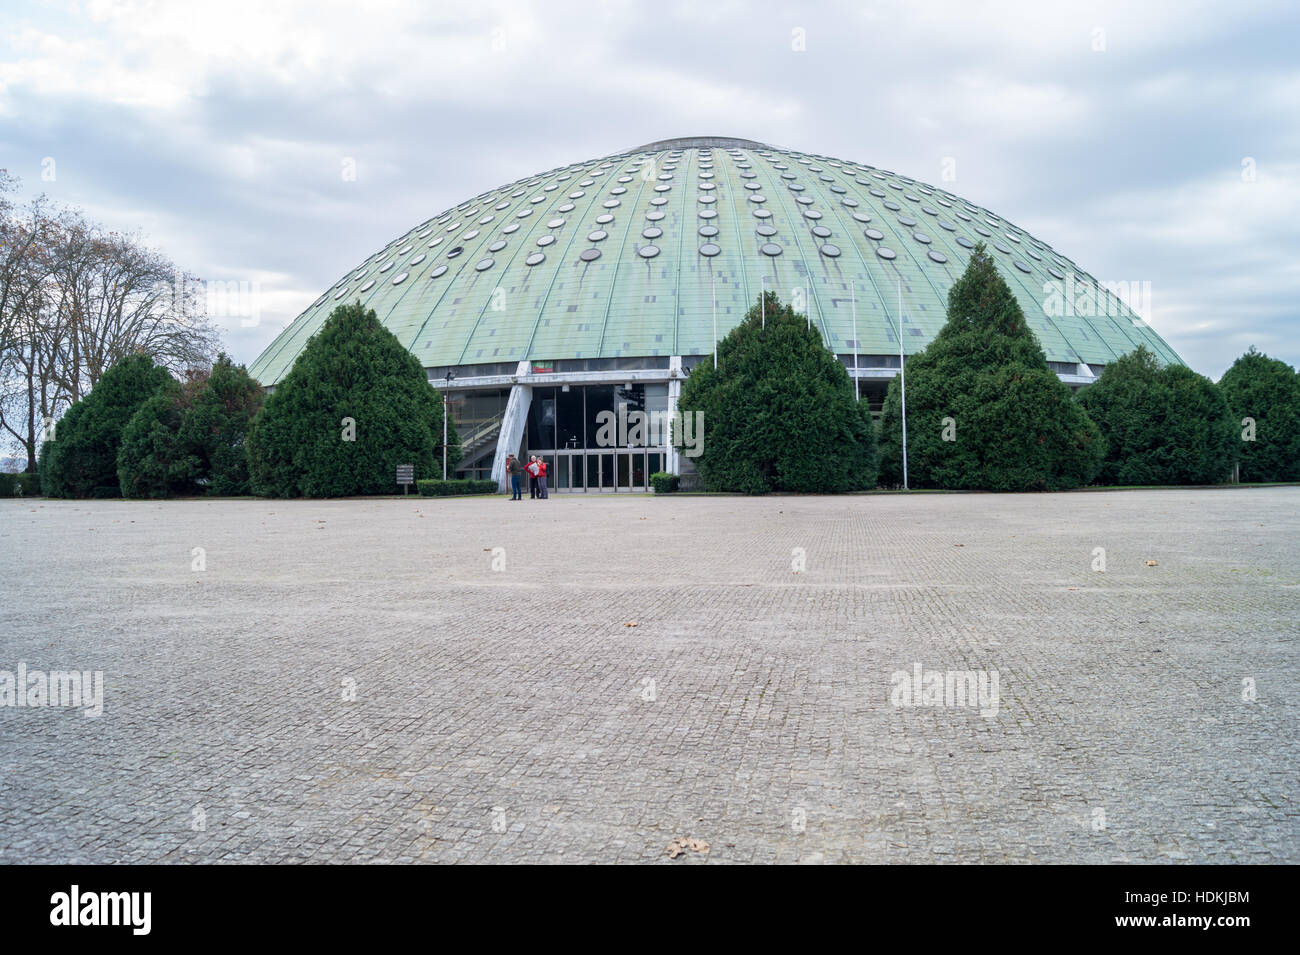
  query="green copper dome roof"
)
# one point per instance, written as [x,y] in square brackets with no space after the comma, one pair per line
[624,256]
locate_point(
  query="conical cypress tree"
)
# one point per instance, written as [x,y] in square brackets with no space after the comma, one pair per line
[779,412]
[215,426]
[354,406]
[984,411]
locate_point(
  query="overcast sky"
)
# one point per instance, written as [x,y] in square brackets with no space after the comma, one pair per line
[1152,142]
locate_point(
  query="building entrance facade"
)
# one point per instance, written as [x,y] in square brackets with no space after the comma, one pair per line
[599,438]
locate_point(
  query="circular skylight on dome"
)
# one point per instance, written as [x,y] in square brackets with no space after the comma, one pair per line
[604,218]
[669,304]
[400,278]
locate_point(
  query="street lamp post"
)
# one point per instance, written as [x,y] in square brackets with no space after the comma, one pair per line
[451,376]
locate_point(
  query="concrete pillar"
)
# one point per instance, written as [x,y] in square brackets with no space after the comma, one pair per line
[512,426]
[674,393]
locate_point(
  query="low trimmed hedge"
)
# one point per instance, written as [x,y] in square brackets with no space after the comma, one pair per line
[663,482]
[20,485]
[436,487]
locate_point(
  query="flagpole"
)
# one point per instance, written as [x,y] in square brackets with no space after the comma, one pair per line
[902,379]
[853,298]
[762,297]
[713,295]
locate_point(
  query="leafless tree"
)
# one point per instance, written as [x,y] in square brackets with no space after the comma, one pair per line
[74,299]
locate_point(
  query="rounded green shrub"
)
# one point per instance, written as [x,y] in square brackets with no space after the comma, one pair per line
[1163,425]
[83,456]
[1264,396]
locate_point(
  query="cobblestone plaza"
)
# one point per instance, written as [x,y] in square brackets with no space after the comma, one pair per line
[587,679]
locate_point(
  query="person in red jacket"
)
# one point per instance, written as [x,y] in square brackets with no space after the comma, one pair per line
[541,478]
[531,468]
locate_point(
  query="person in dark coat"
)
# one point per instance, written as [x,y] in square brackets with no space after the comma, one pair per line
[515,470]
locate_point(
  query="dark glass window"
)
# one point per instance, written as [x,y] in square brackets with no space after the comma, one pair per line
[599,398]
[541,419]
[568,417]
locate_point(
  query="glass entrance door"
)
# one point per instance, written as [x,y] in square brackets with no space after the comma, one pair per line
[631,475]
[609,471]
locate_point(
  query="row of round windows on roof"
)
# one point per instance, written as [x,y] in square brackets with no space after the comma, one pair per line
[546,240]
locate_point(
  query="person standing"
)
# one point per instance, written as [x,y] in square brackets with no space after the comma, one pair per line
[532,476]
[515,470]
[541,478]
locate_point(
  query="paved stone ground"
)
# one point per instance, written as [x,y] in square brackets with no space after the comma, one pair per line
[771,734]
